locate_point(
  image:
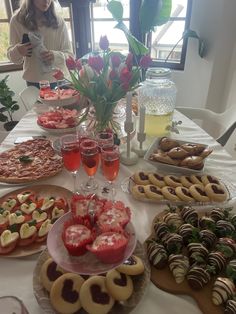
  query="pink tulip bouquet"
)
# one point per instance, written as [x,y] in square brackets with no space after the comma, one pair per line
[105,78]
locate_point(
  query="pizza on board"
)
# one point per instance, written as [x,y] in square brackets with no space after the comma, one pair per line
[29,161]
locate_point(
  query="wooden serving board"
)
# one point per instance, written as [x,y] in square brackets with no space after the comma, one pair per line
[163,279]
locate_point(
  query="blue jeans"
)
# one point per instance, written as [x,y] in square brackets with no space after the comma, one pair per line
[52,85]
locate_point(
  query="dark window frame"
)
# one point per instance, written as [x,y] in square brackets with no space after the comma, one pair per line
[82,31]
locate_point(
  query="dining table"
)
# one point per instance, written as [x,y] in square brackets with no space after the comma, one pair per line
[16,274]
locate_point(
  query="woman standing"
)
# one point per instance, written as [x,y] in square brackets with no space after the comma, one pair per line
[39,39]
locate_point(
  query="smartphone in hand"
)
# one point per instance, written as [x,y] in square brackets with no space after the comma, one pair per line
[25,39]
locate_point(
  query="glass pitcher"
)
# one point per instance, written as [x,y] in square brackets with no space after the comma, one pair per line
[158,95]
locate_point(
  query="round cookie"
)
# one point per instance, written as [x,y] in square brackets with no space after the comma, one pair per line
[132,266]
[65,293]
[119,285]
[141,178]
[94,296]
[173,181]
[209,179]
[138,191]
[153,192]
[49,272]
[198,192]
[196,179]
[177,153]
[216,193]
[170,194]
[166,144]
[186,181]
[156,179]
[184,194]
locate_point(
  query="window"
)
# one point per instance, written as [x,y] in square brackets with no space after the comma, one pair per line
[87,20]
[162,40]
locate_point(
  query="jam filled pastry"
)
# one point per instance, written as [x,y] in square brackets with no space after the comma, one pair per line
[119,285]
[166,144]
[209,179]
[156,179]
[186,181]
[196,179]
[215,192]
[164,158]
[198,192]
[173,181]
[94,296]
[132,266]
[193,149]
[141,178]
[153,192]
[170,194]
[184,194]
[192,162]
[138,191]
[50,271]
[65,293]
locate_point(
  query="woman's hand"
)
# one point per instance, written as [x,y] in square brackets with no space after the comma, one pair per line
[47,56]
[25,49]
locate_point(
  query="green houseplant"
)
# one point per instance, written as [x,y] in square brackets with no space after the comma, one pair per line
[7,105]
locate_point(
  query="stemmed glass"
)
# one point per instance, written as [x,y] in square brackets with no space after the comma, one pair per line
[104,138]
[110,159]
[90,160]
[70,151]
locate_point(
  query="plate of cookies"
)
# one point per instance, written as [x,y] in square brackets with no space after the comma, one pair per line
[196,189]
[118,291]
[175,155]
[192,252]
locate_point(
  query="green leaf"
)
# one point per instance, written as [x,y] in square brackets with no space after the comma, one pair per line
[116,9]
[15,107]
[136,46]
[164,14]
[3,118]
[25,159]
[154,13]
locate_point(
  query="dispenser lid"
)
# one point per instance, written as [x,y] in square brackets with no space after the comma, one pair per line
[153,73]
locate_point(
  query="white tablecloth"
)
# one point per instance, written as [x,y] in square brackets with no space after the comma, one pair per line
[16,274]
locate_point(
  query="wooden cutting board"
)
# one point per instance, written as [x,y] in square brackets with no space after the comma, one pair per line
[163,279]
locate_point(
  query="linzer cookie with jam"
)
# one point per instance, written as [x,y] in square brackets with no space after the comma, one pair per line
[176,188]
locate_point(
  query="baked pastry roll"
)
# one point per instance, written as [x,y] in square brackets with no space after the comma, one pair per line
[166,144]
[193,149]
[177,153]
[192,162]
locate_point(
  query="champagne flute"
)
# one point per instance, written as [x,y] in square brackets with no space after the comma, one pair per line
[104,138]
[70,151]
[110,159]
[90,159]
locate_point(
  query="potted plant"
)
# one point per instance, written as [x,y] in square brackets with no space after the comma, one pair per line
[7,105]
